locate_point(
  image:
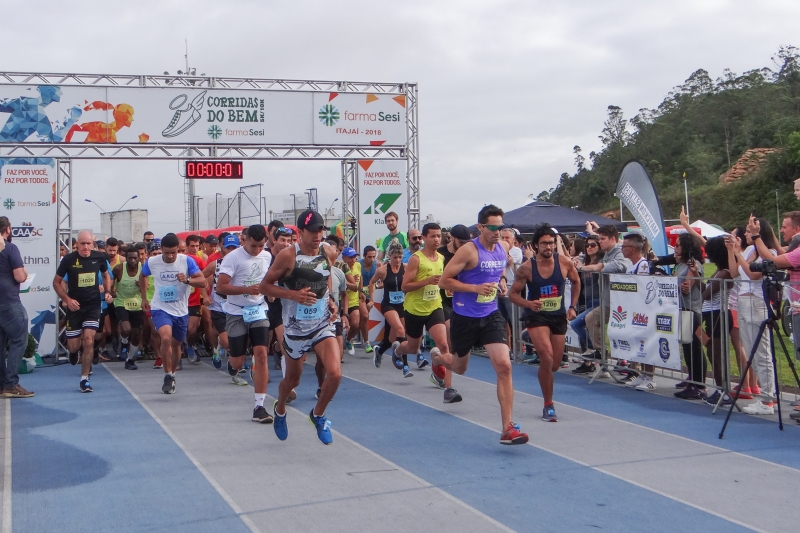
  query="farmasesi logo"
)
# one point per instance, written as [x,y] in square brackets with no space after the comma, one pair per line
[171,275]
[640,319]
[618,317]
[664,323]
[329,115]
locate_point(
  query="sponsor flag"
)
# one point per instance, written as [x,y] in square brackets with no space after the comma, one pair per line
[637,192]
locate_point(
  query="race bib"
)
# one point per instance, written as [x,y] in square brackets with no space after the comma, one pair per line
[430,293]
[132,304]
[551,304]
[312,312]
[87,280]
[486,299]
[168,293]
[397,297]
[253,313]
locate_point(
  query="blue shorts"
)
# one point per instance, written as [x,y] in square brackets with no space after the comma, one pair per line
[179,324]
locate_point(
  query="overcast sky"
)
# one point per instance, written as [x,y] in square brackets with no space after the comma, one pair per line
[507,88]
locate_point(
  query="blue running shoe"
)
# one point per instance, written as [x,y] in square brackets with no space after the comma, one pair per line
[85,386]
[549,414]
[216,361]
[191,355]
[281,428]
[323,426]
[377,356]
[123,354]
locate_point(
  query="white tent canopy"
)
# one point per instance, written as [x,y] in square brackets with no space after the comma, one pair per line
[707,229]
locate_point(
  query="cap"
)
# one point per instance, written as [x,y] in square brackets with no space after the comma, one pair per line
[349,252]
[231,241]
[311,221]
[100,244]
[153,246]
[212,240]
[460,232]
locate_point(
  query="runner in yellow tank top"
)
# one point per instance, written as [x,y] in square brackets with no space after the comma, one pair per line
[128,306]
[423,304]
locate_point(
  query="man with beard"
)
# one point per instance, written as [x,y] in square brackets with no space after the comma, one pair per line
[391,219]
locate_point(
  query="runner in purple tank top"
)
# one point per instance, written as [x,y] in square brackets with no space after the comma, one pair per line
[473,276]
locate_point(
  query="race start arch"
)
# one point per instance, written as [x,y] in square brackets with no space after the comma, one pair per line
[49,120]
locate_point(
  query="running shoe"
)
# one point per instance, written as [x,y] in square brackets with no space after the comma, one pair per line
[436,380]
[292,397]
[323,426]
[73,359]
[367,347]
[689,393]
[158,363]
[123,354]
[130,365]
[216,361]
[745,394]
[421,362]
[714,398]
[535,360]
[348,346]
[549,413]
[451,396]
[565,361]
[316,394]
[96,358]
[513,435]
[191,355]
[529,357]
[682,385]
[438,370]
[635,382]
[647,385]
[758,408]
[85,386]
[585,368]
[377,356]
[407,373]
[280,426]
[169,385]
[139,355]
[261,415]
[238,380]
[397,361]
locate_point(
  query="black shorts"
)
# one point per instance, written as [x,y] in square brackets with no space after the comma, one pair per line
[275,314]
[134,317]
[242,334]
[218,319]
[397,308]
[87,317]
[556,323]
[194,310]
[447,307]
[712,323]
[351,309]
[466,331]
[415,323]
[339,328]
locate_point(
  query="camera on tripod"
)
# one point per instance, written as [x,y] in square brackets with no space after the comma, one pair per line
[768,268]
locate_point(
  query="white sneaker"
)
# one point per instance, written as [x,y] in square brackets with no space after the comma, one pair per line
[758,408]
[648,384]
[351,350]
[236,380]
[604,374]
[638,380]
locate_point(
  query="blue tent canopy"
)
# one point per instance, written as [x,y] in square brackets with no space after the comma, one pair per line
[564,219]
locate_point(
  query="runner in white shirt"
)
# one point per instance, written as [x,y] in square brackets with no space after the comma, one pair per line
[173,275]
[239,278]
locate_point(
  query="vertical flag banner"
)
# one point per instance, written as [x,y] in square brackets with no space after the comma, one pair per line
[28,197]
[643,326]
[381,189]
[637,192]
[376,323]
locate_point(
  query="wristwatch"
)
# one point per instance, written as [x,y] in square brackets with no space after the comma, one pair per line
[573,308]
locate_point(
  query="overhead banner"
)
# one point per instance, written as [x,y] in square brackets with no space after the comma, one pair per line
[643,326]
[28,197]
[381,189]
[637,192]
[184,115]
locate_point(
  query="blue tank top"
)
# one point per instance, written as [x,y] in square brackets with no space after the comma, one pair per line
[489,269]
[550,291]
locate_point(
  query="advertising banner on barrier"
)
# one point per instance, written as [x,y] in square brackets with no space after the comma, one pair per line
[381,189]
[185,115]
[28,197]
[643,326]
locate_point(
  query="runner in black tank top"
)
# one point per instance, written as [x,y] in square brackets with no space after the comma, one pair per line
[545,313]
[391,274]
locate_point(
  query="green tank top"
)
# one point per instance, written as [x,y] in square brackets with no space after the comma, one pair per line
[427,299]
[128,295]
[151,288]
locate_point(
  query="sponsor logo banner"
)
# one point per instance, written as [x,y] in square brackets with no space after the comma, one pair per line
[381,189]
[652,337]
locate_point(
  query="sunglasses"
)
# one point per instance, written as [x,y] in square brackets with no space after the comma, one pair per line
[592,245]
[150,240]
[547,243]
[283,231]
[493,227]
[415,238]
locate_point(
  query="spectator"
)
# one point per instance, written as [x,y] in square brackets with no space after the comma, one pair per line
[514,260]
[712,314]
[391,218]
[689,257]
[14,325]
[590,290]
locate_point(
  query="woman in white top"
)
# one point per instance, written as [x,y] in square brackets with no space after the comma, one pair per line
[751,383]
[753,311]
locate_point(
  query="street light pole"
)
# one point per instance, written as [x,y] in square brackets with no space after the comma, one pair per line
[112,214]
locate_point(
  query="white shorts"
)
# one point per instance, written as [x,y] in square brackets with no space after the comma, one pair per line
[297,346]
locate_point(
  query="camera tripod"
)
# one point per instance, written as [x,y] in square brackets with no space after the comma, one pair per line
[770,287]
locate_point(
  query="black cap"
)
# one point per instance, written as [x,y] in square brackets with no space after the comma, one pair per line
[311,221]
[460,232]
[211,239]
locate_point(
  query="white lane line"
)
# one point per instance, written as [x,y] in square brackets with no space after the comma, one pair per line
[681,437]
[563,456]
[225,496]
[7,471]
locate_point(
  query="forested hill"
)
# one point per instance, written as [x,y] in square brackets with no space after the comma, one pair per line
[701,129]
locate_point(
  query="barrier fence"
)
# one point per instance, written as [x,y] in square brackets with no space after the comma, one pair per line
[700,331]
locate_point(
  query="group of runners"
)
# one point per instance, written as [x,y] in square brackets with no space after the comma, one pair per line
[295,291]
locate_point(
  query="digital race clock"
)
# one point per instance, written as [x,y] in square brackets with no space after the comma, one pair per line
[203,169]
